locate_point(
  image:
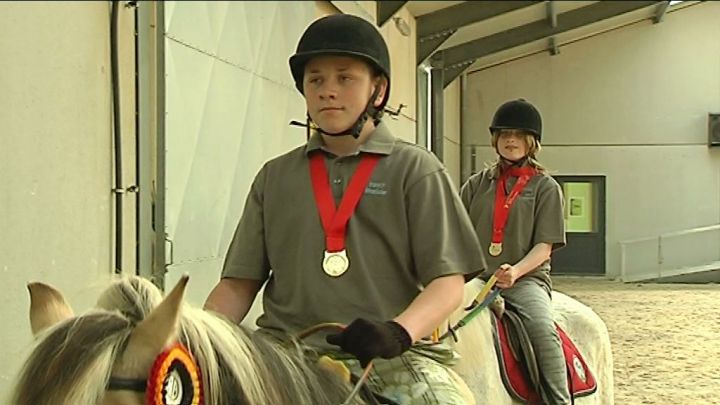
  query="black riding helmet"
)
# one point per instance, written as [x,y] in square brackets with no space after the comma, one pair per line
[344,35]
[518,114]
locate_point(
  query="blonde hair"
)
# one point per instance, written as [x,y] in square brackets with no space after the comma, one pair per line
[533,147]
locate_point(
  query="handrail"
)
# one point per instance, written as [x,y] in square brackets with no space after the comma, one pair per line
[671,234]
[659,239]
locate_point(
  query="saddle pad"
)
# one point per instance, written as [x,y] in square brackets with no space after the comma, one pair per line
[515,377]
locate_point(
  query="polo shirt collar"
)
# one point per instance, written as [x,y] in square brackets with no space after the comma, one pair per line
[380,141]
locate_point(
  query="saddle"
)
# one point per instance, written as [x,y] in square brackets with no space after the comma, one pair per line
[518,364]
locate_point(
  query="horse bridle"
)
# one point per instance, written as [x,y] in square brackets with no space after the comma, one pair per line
[127,384]
[140,385]
[173,373]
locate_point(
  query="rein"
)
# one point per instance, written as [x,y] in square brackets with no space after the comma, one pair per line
[481,301]
[366,372]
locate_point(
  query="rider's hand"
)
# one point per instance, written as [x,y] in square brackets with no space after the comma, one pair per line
[506,276]
[367,340]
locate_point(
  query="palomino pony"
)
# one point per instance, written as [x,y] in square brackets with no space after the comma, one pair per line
[478,364]
[78,360]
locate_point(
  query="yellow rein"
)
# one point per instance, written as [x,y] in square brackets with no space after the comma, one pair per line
[478,299]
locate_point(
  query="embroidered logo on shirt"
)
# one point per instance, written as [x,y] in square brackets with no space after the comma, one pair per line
[375,188]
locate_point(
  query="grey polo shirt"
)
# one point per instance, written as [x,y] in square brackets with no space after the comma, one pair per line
[535,217]
[409,228]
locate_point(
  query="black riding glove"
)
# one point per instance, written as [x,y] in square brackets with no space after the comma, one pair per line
[367,340]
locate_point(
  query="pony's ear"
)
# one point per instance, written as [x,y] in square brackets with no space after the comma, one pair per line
[160,327]
[47,307]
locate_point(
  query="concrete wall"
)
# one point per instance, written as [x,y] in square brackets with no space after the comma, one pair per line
[56,173]
[630,104]
[451,130]
[404,87]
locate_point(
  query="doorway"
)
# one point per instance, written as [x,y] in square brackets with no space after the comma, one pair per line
[584,215]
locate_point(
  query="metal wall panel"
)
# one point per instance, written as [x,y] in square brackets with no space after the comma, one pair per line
[230,97]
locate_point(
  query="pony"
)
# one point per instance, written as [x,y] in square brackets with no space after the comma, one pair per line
[77,359]
[478,363]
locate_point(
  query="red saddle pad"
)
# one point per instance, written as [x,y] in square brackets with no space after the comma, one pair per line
[580,379]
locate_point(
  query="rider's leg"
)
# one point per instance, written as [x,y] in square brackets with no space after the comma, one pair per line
[416,379]
[532,300]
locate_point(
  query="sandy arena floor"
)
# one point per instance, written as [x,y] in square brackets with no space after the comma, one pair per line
[665,338]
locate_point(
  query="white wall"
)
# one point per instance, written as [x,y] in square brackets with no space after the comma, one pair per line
[56,211]
[630,104]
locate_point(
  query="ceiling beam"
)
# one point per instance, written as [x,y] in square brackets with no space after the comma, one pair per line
[660,12]
[464,14]
[434,28]
[428,45]
[454,72]
[386,9]
[469,52]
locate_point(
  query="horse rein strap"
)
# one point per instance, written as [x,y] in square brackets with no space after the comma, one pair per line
[366,372]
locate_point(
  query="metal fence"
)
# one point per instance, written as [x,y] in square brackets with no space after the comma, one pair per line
[670,254]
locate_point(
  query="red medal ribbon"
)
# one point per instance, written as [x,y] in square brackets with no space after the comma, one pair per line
[334,222]
[504,203]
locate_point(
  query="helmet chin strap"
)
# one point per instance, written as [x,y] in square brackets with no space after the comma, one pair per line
[354,130]
[517,163]
[357,127]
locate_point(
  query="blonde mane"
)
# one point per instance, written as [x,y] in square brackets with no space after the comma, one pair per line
[72,361]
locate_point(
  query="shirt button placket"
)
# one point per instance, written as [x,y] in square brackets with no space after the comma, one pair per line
[337,180]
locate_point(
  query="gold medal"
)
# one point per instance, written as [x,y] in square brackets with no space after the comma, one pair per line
[495,249]
[335,264]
